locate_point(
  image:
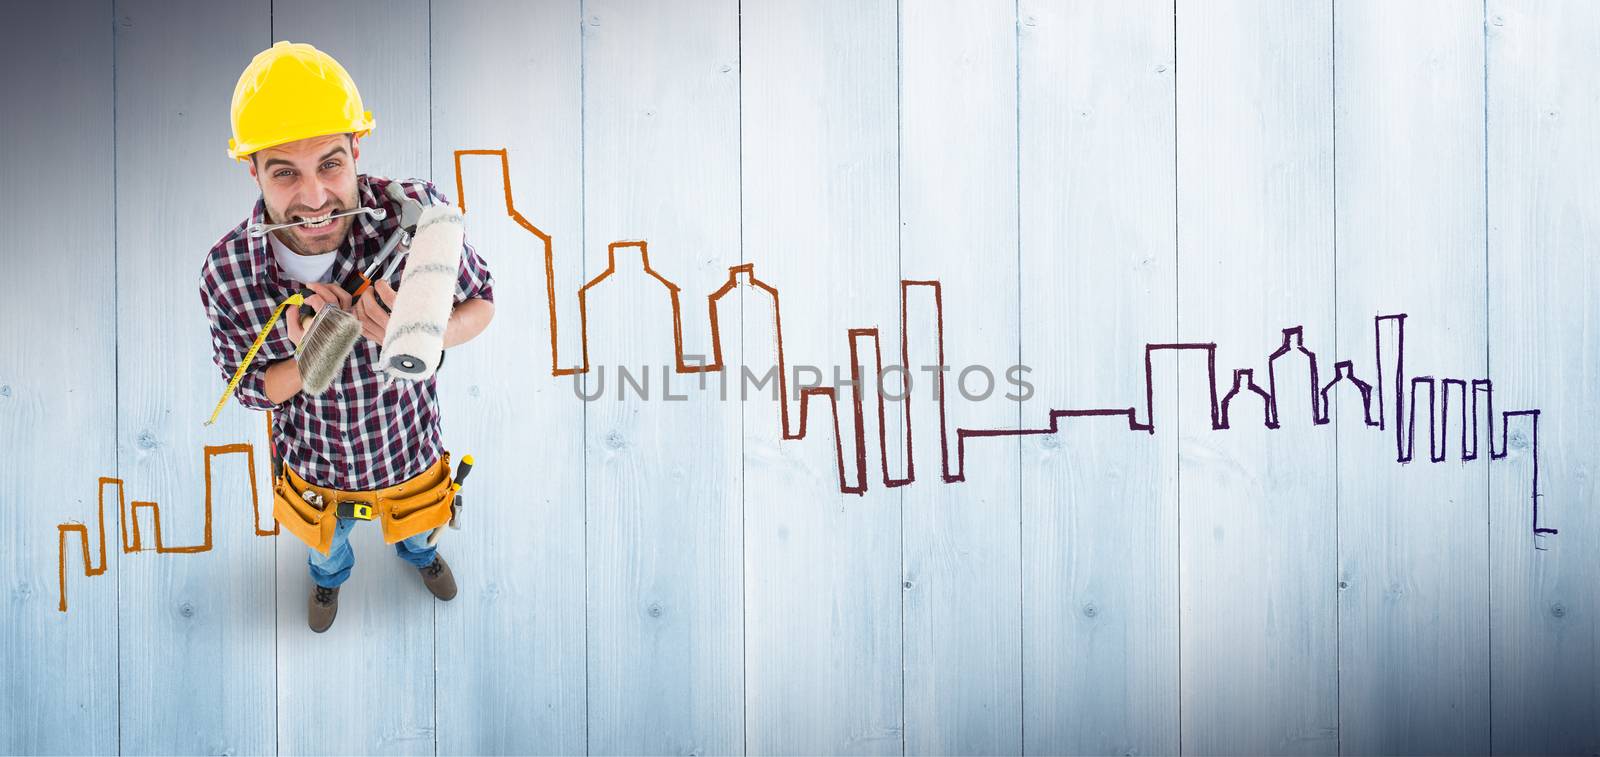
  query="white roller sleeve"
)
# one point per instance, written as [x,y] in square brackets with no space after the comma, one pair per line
[414,341]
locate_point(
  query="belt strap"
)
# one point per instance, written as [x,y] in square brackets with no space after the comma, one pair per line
[348,509]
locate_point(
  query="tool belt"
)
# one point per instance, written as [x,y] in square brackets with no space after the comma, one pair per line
[418,504]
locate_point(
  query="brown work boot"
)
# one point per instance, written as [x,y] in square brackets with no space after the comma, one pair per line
[324,605]
[437,577]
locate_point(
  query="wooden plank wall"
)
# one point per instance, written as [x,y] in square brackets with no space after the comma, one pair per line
[823,595]
[198,669]
[1414,580]
[664,486]
[58,404]
[523,426]
[1544,627]
[1100,612]
[1256,554]
[958,222]
[1060,184]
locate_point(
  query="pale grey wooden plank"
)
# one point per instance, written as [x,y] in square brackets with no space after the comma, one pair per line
[381,647]
[511,644]
[962,552]
[1542,160]
[58,679]
[196,629]
[1255,255]
[1413,559]
[665,617]
[823,610]
[1100,573]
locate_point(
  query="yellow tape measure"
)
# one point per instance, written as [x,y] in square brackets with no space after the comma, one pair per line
[294,299]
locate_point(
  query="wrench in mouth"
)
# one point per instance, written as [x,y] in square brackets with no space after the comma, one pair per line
[261,229]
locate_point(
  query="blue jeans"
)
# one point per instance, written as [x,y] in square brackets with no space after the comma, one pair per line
[332,570]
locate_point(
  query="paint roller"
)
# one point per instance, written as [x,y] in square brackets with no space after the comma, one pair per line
[413,343]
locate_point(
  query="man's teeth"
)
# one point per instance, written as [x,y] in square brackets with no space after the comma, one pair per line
[317,224]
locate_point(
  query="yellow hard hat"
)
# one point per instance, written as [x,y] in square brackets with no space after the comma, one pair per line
[293,91]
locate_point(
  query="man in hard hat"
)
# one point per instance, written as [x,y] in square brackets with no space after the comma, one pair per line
[362,450]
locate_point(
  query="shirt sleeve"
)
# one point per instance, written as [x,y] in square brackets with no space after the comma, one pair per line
[229,343]
[474,281]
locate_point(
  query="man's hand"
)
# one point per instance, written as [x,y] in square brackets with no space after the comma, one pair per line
[374,316]
[322,295]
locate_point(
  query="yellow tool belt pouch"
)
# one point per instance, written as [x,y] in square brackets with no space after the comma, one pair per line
[420,503]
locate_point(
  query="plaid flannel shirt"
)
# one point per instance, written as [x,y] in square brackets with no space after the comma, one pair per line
[356,436]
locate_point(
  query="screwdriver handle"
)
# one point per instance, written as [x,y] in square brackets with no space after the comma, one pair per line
[354,286]
[358,281]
